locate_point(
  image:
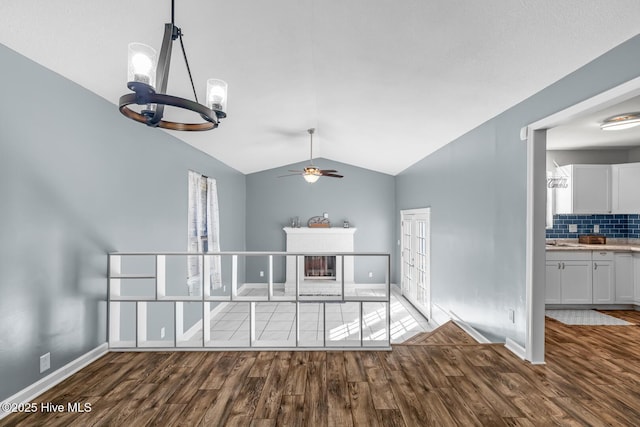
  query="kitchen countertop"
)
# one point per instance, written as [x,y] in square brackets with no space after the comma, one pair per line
[573,245]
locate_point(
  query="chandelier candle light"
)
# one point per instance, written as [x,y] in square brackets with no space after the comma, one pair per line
[148,78]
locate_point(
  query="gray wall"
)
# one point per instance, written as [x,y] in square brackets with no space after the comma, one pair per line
[363,197]
[78,180]
[476,187]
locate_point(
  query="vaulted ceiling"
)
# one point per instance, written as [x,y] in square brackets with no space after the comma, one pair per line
[385,82]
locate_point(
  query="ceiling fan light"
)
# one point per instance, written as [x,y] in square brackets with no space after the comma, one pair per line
[621,122]
[141,64]
[310,177]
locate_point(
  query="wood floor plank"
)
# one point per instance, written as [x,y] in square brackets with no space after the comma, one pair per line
[316,409]
[338,401]
[411,408]
[194,411]
[442,378]
[269,402]
[291,411]
[362,410]
[297,375]
[221,409]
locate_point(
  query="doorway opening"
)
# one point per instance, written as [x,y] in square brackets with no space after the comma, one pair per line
[415,226]
[536,136]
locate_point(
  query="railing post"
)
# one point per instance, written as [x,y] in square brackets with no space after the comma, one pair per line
[342,274]
[252,323]
[270,285]
[388,299]
[234,276]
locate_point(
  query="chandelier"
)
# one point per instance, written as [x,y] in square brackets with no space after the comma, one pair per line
[148,78]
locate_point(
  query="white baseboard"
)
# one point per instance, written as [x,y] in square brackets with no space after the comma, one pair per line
[189,333]
[439,315]
[469,329]
[54,378]
[515,348]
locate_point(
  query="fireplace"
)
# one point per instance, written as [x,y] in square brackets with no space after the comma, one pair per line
[318,270]
[320,267]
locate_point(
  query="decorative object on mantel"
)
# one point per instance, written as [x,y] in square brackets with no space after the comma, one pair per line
[312,173]
[345,224]
[318,222]
[295,222]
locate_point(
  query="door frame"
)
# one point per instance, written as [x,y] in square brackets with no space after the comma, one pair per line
[535,135]
[416,211]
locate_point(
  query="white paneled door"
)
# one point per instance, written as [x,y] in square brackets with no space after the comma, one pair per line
[416,258]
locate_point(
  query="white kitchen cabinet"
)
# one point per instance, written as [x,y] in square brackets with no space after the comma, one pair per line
[553,283]
[603,281]
[636,277]
[625,180]
[624,278]
[575,277]
[588,190]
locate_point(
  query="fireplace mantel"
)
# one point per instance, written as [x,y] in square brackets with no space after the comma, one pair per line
[319,230]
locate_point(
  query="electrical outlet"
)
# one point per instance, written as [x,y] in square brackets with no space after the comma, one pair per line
[261,273]
[596,228]
[371,274]
[573,228]
[162,332]
[45,362]
[512,316]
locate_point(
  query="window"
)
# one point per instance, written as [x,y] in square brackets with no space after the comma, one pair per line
[203,234]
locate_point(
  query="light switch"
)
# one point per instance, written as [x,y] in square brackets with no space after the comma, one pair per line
[573,228]
[596,228]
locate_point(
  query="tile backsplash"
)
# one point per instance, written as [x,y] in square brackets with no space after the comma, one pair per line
[613,226]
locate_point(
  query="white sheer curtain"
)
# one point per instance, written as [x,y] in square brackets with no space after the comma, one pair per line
[213,234]
[203,234]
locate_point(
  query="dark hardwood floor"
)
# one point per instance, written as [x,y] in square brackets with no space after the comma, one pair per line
[442,378]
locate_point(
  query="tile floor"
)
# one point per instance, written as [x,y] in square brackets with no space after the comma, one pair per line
[275,322]
[585,317]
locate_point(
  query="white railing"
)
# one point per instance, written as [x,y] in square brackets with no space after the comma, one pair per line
[152,305]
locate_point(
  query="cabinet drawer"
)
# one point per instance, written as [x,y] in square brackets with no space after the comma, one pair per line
[602,255]
[569,256]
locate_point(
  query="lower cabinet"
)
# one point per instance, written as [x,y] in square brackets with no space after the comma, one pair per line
[576,284]
[603,282]
[569,278]
[636,278]
[624,292]
[553,282]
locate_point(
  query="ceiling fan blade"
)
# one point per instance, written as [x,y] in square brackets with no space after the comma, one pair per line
[291,170]
[328,170]
[332,175]
[291,174]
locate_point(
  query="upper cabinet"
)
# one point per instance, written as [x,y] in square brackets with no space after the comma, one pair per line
[588,189]
[625,195]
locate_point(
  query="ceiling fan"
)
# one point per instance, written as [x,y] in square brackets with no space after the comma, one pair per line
[312,173]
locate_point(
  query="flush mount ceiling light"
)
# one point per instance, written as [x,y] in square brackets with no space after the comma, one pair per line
[311,173]
[149,87]
[621,121]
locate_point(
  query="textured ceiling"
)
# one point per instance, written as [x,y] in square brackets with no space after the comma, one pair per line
[584,133]
[384,82]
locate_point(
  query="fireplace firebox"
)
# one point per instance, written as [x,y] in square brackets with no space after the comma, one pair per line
[320,267]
